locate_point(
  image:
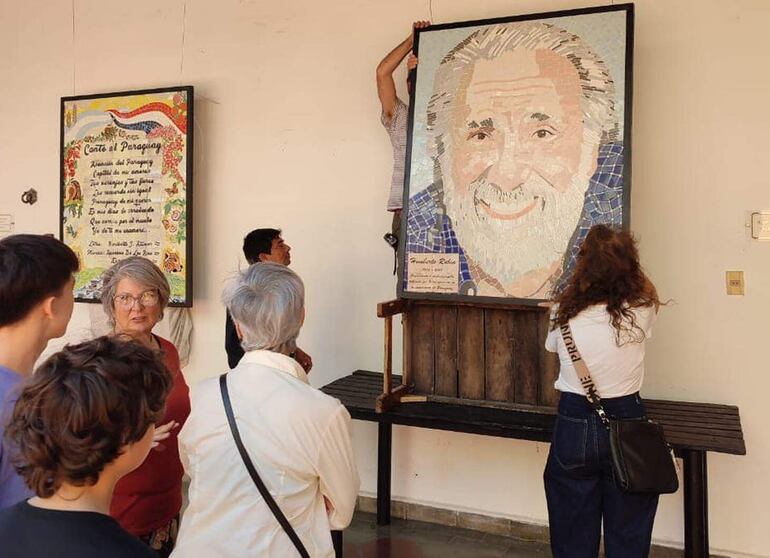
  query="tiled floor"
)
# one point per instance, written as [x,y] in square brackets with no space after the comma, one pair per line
[415,539]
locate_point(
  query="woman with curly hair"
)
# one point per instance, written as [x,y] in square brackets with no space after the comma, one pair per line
[85,420]
[610,305]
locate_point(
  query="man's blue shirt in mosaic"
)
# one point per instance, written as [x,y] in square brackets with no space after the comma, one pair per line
[429,229]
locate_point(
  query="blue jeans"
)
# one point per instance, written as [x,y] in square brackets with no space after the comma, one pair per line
[581,490]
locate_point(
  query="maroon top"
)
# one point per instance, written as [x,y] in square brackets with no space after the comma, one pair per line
[151,496]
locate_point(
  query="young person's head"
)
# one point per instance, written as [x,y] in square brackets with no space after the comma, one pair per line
[88,410]
[266,245]
[36,281]
[607,271]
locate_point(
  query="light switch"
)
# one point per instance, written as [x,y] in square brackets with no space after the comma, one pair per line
[6,225]
[735,283]
[760,225]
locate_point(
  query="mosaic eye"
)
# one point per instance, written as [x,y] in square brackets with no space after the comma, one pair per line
[480,135]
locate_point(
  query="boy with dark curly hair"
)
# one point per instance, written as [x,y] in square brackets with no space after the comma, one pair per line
[84,420]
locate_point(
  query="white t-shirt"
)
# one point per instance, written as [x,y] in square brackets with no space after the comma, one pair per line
[616,370]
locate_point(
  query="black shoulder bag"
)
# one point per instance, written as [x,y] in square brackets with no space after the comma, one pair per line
[253,471]
[642,461]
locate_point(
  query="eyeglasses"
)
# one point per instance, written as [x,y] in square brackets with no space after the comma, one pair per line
[146,299]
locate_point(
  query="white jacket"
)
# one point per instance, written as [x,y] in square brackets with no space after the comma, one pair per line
[298,439]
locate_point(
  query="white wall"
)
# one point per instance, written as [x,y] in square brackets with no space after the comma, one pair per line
[287,134]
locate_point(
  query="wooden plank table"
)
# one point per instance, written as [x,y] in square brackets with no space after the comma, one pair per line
[693,429]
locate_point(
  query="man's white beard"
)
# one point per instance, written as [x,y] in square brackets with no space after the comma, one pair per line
[508,249]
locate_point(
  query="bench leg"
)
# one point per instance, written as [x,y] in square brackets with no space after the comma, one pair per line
[337,542]
[384,446]
[696,521]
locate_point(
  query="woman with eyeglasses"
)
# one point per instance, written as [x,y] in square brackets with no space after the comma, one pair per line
[147,501]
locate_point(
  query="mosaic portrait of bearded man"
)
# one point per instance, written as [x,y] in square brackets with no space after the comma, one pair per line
[518,151]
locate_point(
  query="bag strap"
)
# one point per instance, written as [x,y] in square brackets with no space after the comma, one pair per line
[582,371]
[271,503]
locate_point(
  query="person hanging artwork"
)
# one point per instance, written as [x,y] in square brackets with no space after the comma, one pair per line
[126,184]
[519,142]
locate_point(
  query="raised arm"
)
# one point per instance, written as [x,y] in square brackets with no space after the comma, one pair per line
[386,87]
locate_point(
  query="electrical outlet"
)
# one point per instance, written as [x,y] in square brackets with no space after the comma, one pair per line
[735,283]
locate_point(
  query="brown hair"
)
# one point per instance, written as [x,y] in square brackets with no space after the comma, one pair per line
[81,407]
[607,271]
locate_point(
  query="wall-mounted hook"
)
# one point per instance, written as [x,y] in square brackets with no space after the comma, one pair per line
[30,196]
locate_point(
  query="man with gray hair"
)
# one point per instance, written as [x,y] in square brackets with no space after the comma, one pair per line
[297,437]
[523,134]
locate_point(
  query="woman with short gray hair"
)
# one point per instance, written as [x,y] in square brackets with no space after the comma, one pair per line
[297,437]
[267,304]
[147,501]
[139,270]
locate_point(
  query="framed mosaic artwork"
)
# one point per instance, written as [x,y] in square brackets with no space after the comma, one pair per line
[519,141]
[126,184]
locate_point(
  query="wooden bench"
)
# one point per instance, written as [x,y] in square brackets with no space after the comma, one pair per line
[693,429]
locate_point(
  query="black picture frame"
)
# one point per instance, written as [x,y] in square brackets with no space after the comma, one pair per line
[186,209]
[628,10]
